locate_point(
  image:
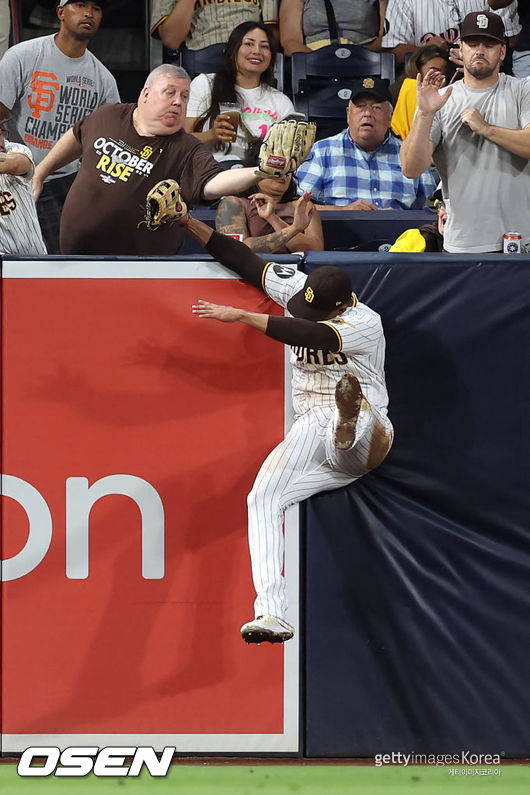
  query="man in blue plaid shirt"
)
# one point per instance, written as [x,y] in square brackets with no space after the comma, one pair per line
[360,169]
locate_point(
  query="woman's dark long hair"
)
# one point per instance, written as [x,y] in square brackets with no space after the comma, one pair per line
[224,82]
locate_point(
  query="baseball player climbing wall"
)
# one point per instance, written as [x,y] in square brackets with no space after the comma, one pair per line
[307,461]
[129,446]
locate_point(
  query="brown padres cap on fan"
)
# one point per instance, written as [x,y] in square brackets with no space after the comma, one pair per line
[483,24]
[325,289]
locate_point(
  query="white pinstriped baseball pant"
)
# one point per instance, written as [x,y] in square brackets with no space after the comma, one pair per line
[305,463]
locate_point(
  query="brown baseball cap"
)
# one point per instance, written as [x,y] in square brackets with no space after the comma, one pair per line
[484,24]
[325,289]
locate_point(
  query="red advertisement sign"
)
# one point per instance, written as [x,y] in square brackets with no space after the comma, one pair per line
[132,432]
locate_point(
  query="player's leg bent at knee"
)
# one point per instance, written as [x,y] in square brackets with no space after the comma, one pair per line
[372,440]
[348,400]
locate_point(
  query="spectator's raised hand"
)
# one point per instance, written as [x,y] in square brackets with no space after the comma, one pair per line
[263,204]
[303,211]
[427,88]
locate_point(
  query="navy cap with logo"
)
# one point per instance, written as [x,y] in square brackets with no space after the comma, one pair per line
[370,85]
[325,289]
[483,24]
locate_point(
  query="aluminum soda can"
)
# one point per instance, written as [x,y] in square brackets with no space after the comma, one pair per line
[511,243]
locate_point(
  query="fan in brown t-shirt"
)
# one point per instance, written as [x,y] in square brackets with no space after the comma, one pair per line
[126,150]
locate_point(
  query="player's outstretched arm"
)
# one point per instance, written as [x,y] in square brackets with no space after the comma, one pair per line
[289,330]
[197,229]
[230,314]
[229,252]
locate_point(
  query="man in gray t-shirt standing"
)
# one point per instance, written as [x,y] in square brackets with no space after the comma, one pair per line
[478,133]
[46,85]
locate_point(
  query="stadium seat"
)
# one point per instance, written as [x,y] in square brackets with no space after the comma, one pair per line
[340,61]
[325,105]
[321,81]
[207,60]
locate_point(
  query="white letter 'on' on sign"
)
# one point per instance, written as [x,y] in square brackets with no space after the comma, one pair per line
[80,497]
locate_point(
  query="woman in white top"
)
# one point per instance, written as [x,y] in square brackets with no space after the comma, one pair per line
[246,78]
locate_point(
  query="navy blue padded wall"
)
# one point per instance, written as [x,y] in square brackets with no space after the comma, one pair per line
[416,582]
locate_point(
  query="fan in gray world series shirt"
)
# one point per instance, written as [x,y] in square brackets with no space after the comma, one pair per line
[46,85]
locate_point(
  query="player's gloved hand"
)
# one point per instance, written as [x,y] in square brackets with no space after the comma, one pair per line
[164,204]
[285,147]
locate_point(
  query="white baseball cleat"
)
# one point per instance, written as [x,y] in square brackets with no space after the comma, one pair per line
[267,629]
[348,399]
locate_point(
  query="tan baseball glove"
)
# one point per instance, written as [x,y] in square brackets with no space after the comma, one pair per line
[284,142]
[164,204]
